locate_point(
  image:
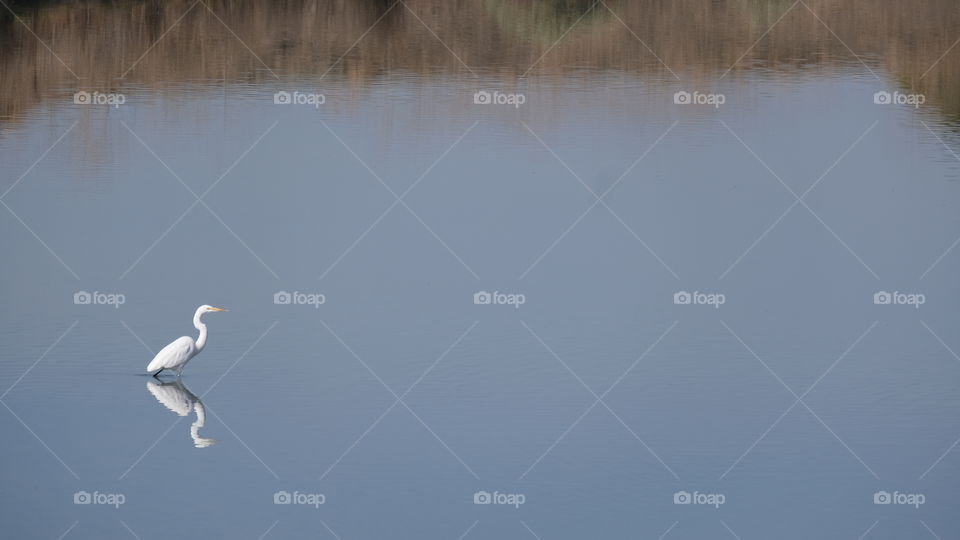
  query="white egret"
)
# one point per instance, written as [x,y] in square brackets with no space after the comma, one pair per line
[177,354]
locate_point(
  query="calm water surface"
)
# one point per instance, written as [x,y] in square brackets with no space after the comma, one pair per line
[599,400]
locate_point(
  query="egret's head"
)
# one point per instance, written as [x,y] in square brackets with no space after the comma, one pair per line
[200,312]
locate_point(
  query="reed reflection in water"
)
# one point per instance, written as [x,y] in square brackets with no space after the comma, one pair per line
[132,45]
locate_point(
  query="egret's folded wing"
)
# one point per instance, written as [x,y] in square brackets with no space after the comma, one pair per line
[172,355]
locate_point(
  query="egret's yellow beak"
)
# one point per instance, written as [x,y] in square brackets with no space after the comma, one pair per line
[216,309]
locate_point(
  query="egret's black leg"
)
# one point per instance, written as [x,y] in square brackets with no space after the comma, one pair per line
[157,374]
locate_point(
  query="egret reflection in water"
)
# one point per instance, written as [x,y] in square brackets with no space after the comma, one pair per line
[175,396]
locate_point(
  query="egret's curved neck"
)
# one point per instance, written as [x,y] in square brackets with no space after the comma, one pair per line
[198,324]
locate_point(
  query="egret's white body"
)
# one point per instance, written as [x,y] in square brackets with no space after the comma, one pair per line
[176,355]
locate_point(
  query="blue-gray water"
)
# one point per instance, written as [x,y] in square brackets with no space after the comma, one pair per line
[598,401]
